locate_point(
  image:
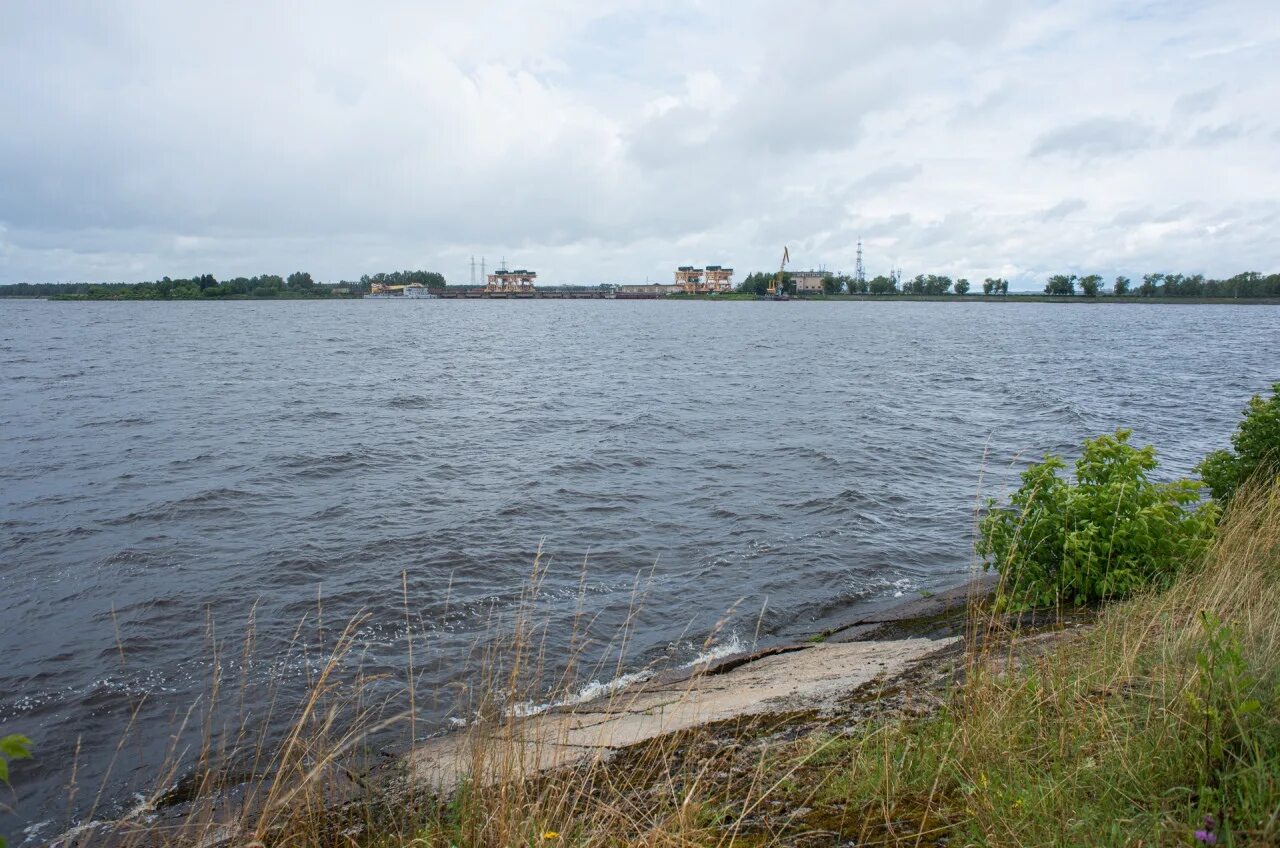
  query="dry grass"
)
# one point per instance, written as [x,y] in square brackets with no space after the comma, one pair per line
[1129,732]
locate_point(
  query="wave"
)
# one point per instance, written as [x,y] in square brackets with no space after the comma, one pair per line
[410,402]
[317,466]
[219,501]
[125,421]
[734,645]
[587,692]
[596,689]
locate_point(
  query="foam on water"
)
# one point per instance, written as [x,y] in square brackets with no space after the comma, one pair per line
[586,693]
[720,650]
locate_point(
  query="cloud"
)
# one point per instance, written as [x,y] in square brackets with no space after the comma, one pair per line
[1063,209]
[613,140]
[1095,137]
[1197,102]
[888,175]
[1220,134]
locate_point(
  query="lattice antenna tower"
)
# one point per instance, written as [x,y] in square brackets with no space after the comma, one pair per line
[473,272]
[859,273]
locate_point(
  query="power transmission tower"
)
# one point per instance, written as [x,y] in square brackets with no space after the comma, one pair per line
[473,272]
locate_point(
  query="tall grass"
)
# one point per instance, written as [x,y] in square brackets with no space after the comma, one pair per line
[1161,720]
[319,782]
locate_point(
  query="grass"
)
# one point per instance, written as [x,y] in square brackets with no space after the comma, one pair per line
[1130,730]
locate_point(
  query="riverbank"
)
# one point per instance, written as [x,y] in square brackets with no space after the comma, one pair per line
[798,679]
[461,294]
[935,723]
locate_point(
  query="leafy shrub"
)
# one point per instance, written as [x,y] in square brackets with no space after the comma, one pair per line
[1109,533]
[1257,449]
[12,747]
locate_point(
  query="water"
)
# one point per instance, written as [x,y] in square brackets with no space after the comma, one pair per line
[169,465]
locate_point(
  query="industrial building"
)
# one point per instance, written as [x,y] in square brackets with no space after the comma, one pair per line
[650,288]
[709,280]
[518,281]
[808,282]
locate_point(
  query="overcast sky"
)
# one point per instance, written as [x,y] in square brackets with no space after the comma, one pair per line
[609,142]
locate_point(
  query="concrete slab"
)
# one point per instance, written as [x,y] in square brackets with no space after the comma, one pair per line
[802,678]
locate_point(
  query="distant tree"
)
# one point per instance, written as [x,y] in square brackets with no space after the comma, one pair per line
[1089,285]
[995,285]
[857,286]
[1179,285]
[300,281]
[1121,287]
[1150,284]
[832,284]
[928,284]
[962,286]
[756,283]
[1061,284]
[1248,284]
[882,285]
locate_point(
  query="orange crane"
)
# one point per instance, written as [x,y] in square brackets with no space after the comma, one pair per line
[776,288]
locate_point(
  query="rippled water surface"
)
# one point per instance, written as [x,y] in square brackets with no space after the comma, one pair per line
[169,467]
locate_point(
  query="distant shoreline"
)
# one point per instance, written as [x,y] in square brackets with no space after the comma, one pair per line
[1028,297]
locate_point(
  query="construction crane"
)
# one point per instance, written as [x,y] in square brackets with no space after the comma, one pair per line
[776,287]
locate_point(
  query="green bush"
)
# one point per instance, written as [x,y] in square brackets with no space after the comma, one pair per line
[1109,533]
[1257,449]
[12,747]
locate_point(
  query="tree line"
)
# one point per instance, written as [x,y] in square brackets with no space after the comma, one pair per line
[928,284]
[430,279]
[299,284]
[1248,284]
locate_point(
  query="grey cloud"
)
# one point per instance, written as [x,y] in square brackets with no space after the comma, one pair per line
[1155,215]
[887,226]
[1197,102]
[889,175]
[1094,138]
[1220,134]
[1062,209]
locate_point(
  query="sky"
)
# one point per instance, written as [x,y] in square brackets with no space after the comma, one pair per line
[606,141]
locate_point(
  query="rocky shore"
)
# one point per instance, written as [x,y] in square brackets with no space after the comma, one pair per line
[898,657]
